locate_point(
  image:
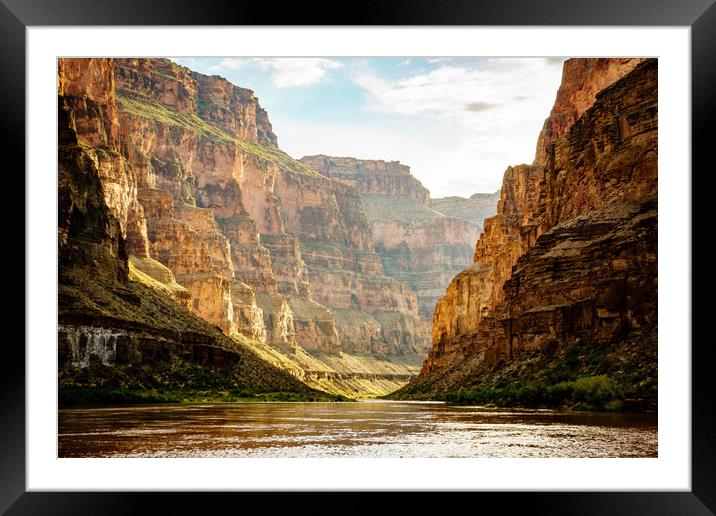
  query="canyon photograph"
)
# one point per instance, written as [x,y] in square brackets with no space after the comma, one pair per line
[357,257]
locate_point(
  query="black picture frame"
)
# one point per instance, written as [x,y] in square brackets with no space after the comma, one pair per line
[699,15]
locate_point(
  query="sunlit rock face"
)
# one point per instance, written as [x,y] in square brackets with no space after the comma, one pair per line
[233,109]
[571,253]
[263,245]
[87,90]
[418,245]
[88,234]
[247,212]
[378,177]
[119,312]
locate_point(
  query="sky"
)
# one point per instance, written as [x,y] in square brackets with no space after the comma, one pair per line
[458,123]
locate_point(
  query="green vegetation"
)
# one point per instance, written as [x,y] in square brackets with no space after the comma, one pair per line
[177,381]
[584,393]
[78,396]
[147,107]
[575,376]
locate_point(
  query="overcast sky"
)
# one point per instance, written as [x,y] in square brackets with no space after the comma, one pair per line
[457,122]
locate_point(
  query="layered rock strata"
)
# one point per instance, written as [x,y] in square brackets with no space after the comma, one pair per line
[289,231]
[219,219]
[127,313]
[418,245]
[582,79]
[571,254]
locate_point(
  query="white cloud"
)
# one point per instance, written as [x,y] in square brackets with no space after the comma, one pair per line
[449,88]
[233,63]
[212,65]
[495,113]
[293,71]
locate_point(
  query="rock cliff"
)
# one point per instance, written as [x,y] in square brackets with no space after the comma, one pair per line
[582,79]
[417,244]
[120,316]
[218,218]
[570,257]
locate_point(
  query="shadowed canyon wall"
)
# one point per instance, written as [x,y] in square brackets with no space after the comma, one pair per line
[570,256]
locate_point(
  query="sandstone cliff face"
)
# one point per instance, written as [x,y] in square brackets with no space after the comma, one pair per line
[571,253]
[582,79]
[234,109]
[88,234]
[217,218]
[119,312]
[379,177]
[418,245]
[426,255]
[273,224]
[87,89]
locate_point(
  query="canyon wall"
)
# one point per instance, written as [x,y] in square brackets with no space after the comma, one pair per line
[298,240]
[582,79]
[418,245]
[476,208]
[115,311]
[570,256]
[216,217]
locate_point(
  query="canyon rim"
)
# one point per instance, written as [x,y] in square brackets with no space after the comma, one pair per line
[202,262]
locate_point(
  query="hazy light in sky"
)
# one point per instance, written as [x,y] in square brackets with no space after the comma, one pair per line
[457,122]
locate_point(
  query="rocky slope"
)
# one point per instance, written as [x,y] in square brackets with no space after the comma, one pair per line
[218,218]
[569,261]
[418,245]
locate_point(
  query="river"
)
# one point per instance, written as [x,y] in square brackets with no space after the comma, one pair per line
[363,429]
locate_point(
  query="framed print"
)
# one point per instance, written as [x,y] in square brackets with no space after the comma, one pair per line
[418,250]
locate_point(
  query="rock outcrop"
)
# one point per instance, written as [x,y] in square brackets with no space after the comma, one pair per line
[220,220]
[251,213]
[378,177]
[582,79]
[570,256]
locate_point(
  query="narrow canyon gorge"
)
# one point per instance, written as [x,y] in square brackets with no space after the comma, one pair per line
[188,239]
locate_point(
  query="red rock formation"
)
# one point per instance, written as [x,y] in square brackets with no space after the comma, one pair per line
[572,250]
[582,79]
[234,109]
[425,254]
[89,236]
[218,218]
[475,208]
[263,219]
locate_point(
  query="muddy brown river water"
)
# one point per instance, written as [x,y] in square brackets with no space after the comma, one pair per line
[362,429]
